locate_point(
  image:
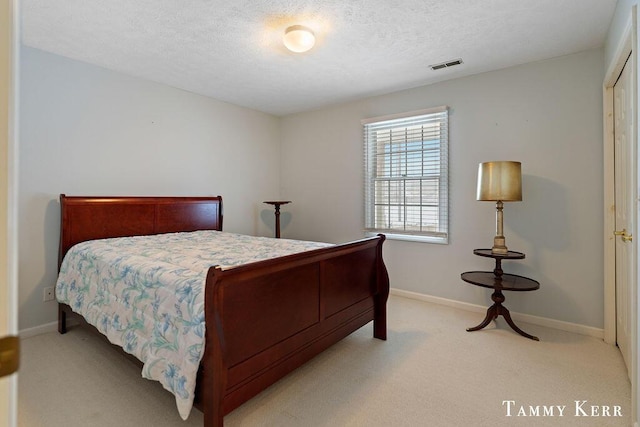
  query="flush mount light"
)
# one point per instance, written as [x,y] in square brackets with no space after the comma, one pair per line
[298,38]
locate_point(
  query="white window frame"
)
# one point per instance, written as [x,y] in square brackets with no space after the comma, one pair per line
[439,173]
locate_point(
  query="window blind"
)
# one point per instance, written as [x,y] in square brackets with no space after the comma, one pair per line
[406,174]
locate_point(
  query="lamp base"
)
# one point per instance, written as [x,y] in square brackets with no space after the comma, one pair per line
[499,246]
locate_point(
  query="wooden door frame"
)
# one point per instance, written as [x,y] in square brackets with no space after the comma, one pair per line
[628,46]
[9,63]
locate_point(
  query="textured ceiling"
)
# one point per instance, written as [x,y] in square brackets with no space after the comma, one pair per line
[232,50]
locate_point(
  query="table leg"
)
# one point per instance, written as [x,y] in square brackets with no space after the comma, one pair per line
[497,309]
[492,314]
[277,221]
[505,313]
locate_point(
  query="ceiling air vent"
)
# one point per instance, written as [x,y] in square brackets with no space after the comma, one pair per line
[446,64]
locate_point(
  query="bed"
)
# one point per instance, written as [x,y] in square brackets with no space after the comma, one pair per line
[263,319]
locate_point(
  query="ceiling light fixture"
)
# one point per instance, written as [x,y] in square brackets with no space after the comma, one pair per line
[298,38]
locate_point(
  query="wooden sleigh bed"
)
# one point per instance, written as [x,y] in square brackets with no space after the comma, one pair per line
[263,319]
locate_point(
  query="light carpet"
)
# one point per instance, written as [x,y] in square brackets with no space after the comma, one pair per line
[430,372]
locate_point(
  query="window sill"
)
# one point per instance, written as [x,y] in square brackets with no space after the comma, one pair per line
[412,238]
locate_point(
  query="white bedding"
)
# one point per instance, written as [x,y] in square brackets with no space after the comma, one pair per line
[146,294]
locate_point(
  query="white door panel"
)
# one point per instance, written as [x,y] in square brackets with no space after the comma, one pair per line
[624,207]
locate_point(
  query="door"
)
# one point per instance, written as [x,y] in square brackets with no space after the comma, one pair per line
[624,207]
[7,283]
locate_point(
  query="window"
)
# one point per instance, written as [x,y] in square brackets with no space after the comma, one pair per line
[406,171]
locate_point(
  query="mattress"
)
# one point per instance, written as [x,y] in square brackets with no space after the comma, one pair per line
[146,294]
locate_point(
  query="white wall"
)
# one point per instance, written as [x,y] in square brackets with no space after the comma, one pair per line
[619,23]
[86,130]
[546,114]
[89,131]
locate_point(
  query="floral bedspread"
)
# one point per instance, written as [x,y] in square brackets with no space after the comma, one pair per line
[146,294]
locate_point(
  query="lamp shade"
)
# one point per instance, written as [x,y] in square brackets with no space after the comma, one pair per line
[500,181]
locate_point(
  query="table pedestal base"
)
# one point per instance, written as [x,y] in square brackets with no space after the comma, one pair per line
[277,204]
[497,309]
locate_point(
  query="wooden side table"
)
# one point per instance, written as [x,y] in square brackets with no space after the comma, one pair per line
[277,204]
[498,281]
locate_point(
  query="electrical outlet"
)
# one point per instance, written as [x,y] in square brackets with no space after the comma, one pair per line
[48,294]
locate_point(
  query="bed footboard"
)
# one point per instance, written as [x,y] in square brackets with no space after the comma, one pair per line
[267,318]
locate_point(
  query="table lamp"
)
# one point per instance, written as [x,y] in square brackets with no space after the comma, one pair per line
[499,182]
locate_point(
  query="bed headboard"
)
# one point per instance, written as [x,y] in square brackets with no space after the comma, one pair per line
[88,218]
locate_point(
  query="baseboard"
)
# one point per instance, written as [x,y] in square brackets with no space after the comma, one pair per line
[38,330]
[527,318]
